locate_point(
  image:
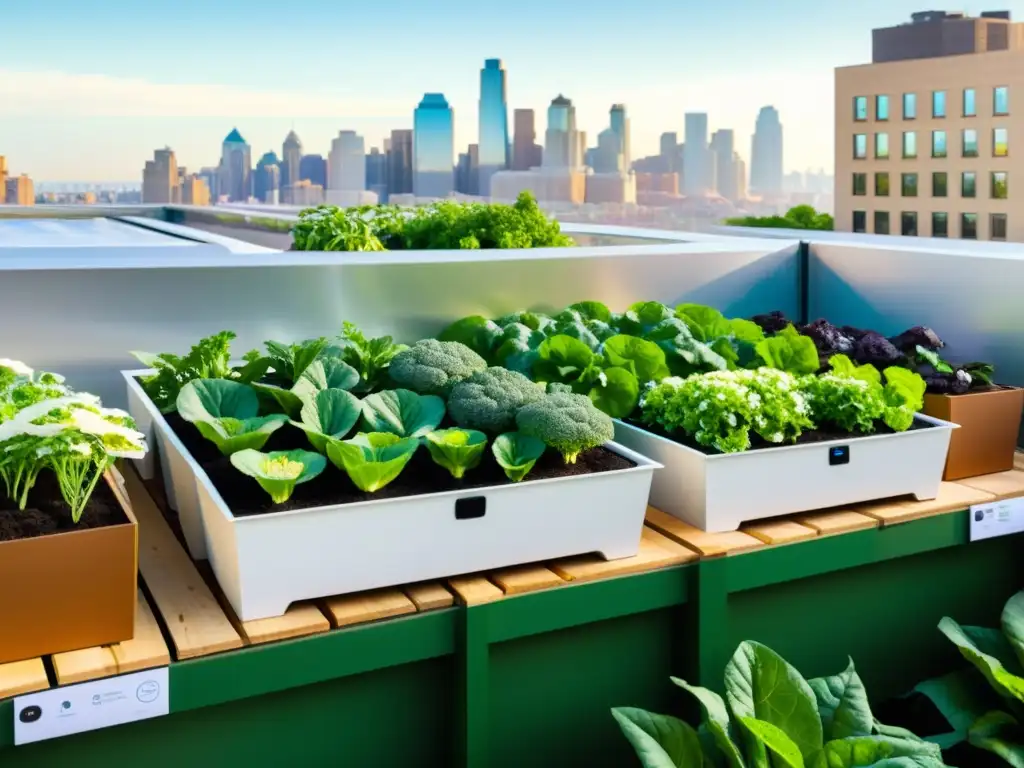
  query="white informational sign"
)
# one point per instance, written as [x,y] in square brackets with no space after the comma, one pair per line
[90,706]
[998,518]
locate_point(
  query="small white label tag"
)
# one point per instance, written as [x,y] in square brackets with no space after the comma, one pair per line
[91,706]
[997,518]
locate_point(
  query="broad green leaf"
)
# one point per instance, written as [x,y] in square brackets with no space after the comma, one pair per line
[990,662]
[1013,624]
[893,731]
[591,310]
[706,323]
[476,332]
[761,684]
[211,399]
[843,704]
[372,460]
[279,398]
[562,359]
[616,392]
[331,413]
[789,351]
[233,435]
[660,741]
[644,359]
[402,412]
[325,373]
[1001,734]
[746,331]
[278,472]
[904,387]
[291,360]
[516,453]
[843,366]
[575,329]
[961,697]
[457,450]
[776,740]
[716,719]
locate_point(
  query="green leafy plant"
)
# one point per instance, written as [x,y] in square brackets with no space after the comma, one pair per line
[797,217]
[286,382]
[225,413]
[685,355]
[489,399]
[476,332]
[457,450]
[210,358]
[789,351]
[374,459]
[769,709]
[402,412]
[735,339]
[329,415]
[722,409]
[517,453]
[569,423]
[46,426]
[369,357]
[986,709]
[325,373]
[432,367]
[278,472]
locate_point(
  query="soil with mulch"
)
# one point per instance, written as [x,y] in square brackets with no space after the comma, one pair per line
[46,513]
[421,475]
[758,443]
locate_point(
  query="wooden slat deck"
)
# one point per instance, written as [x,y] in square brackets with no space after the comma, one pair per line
[183,599]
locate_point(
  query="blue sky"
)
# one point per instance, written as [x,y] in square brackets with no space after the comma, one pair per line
[87,91]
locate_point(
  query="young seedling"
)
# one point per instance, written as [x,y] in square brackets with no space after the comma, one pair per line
[278,472]
[457,450]
[372,460]
[516,453]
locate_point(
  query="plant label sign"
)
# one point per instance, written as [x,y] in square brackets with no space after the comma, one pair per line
[998,518]
[91,706]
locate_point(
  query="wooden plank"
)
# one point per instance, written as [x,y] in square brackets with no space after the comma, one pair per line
[85,664]
[526,578]
[1018,460]
[300,620]
[704,544]
[656,551]
[474,590]
[780,531]
[346,610]
[952,497]
[195,621]
[829,523]
[18,677]
[1002,485]
[147,649]
[429,596]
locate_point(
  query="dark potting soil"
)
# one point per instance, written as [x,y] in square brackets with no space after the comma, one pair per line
[47,513]
[759,443]
[244,496]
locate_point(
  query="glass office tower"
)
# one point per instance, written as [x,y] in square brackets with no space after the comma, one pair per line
[433,147]
[493,124]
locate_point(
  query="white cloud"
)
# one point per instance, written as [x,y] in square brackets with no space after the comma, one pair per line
[65,94]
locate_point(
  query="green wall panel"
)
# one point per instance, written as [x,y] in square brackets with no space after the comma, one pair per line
[883,615]
[551,694]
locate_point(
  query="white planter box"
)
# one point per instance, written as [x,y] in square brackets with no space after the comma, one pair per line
[718,493]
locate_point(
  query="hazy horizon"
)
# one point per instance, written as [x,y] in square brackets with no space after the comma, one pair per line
[87,94]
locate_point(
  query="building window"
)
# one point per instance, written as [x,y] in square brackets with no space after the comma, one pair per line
[1000,185]
[938,103]
[940,184]
[970,103]
[860,146]
[938,143]
[860,184]
[882,184]
[882,146]
[908,184]
[881,107]
[860,108]
[908,224]
[860,221]
[969,226]
[970,142]
[909,144]
[1001,100]
[1000,142]
[909,106]
[997,226]
[940,224]
[969,184]
[881,222]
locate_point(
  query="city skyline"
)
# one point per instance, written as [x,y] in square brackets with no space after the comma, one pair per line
[173,100]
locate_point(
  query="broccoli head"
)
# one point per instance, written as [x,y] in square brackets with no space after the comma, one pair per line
[432,367]
[488,400]
[568,423]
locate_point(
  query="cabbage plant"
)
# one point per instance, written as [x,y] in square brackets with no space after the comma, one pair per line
[278,472]
[516,453]
[225,413]
[374,459]
[457,450]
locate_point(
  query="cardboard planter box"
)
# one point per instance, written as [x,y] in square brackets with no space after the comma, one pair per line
[989,424]
[69,590]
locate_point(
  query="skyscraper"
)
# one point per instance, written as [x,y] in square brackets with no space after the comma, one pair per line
[493,124]
[267,179]
[433,147]
[620,127]
[723,151]
[235,168]
[291,160]
[562,140]
[399,162]
[3,175]
[347,172]
[697,168]
[313,168]
[669,146]
[766,153]
[526,152]
[19,190]
[160,177]
[377,173]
